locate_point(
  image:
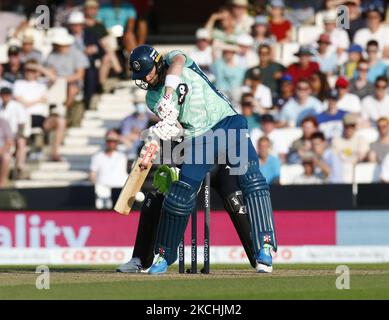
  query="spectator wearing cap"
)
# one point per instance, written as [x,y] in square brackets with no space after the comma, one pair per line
[347,101]
[225,32]
[229,75]
[377,67]
[308,176]
[109,166]
[302,145]
[349,68]
[280,27]
[70,63]
[351,148]
[87,42]
[271,71]
[278,145]
[286,91]
[16,116]
[375,30]
[261,33]
[300,106]
[331,121]
[202,54]
[243,21]
[247,105]
[377,105]
[326,58]
[338,36]
[92,25]
[305,67]
[32,94]
[380,148]
[328,165]
[6,143]
[28,51]
[269,164]
[359,84]
[262,94]
[246,56]
[13,69]
[319,85]
[356,19]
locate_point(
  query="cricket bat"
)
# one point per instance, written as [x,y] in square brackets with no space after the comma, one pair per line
[136,178]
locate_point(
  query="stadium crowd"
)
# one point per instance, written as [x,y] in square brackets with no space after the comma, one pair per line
[288,66]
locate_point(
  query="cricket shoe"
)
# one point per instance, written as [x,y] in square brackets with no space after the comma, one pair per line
[264,260]
[132,266]
[160,266]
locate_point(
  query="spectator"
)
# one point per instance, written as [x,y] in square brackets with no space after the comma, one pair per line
[385,170]
[327,164]
[319,85]
[13,70]
[131,128]
[302,145]
[301,106]
[4,82]
[6,139]
[87,42]
[239,11]
[331,121]
[109,167]
[27,51]
[286,92]
[308,176]
[261,33]
[349,68]
[375,30]
[221,26]
[377,67]
[338,37]
[63,12]
[357,20]
[229,75]
[271,71]
[348,102]
[202,54]
[350,148]
[380,148]
[247,58]
[32,95]
[16,116]
[304,68]
[247,108]
[67,62]
[119,17]
[326,58]
[92,25]
[377,105]
[269,164]
[280,27]
[359,84]
[262,93]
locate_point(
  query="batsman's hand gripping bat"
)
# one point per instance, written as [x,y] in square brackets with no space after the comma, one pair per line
[136,177]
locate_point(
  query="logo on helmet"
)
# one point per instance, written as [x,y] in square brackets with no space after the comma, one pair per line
[136,66]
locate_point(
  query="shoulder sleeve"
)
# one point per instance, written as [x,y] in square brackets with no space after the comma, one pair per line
[169,57]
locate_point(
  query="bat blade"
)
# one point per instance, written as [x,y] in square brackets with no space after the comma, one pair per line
[135,180]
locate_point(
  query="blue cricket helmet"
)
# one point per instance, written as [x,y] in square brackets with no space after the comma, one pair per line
[142,60]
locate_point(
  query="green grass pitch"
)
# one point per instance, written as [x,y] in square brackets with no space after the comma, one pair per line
[299,281]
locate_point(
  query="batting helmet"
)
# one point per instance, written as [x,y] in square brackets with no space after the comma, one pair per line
[142,60]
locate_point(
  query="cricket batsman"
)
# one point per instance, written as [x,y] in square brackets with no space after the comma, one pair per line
[181,95]
[228,189]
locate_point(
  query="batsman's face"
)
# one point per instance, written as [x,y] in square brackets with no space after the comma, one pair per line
[152,77]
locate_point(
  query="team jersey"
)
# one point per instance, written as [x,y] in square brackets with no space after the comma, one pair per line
[201,106]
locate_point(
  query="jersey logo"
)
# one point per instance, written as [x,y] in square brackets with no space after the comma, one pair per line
[182,91]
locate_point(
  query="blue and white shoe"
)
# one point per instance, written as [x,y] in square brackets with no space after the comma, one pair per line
[160,266]
[264,260]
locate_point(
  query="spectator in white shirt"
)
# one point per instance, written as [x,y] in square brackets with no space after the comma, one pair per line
[202,54]
[16,116]
[32,95]
[375,30]
[262,93]
[109,167]
[347,102]
[377,105]
[243,21]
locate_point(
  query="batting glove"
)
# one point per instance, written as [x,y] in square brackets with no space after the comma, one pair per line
[166,109]
[165,131]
